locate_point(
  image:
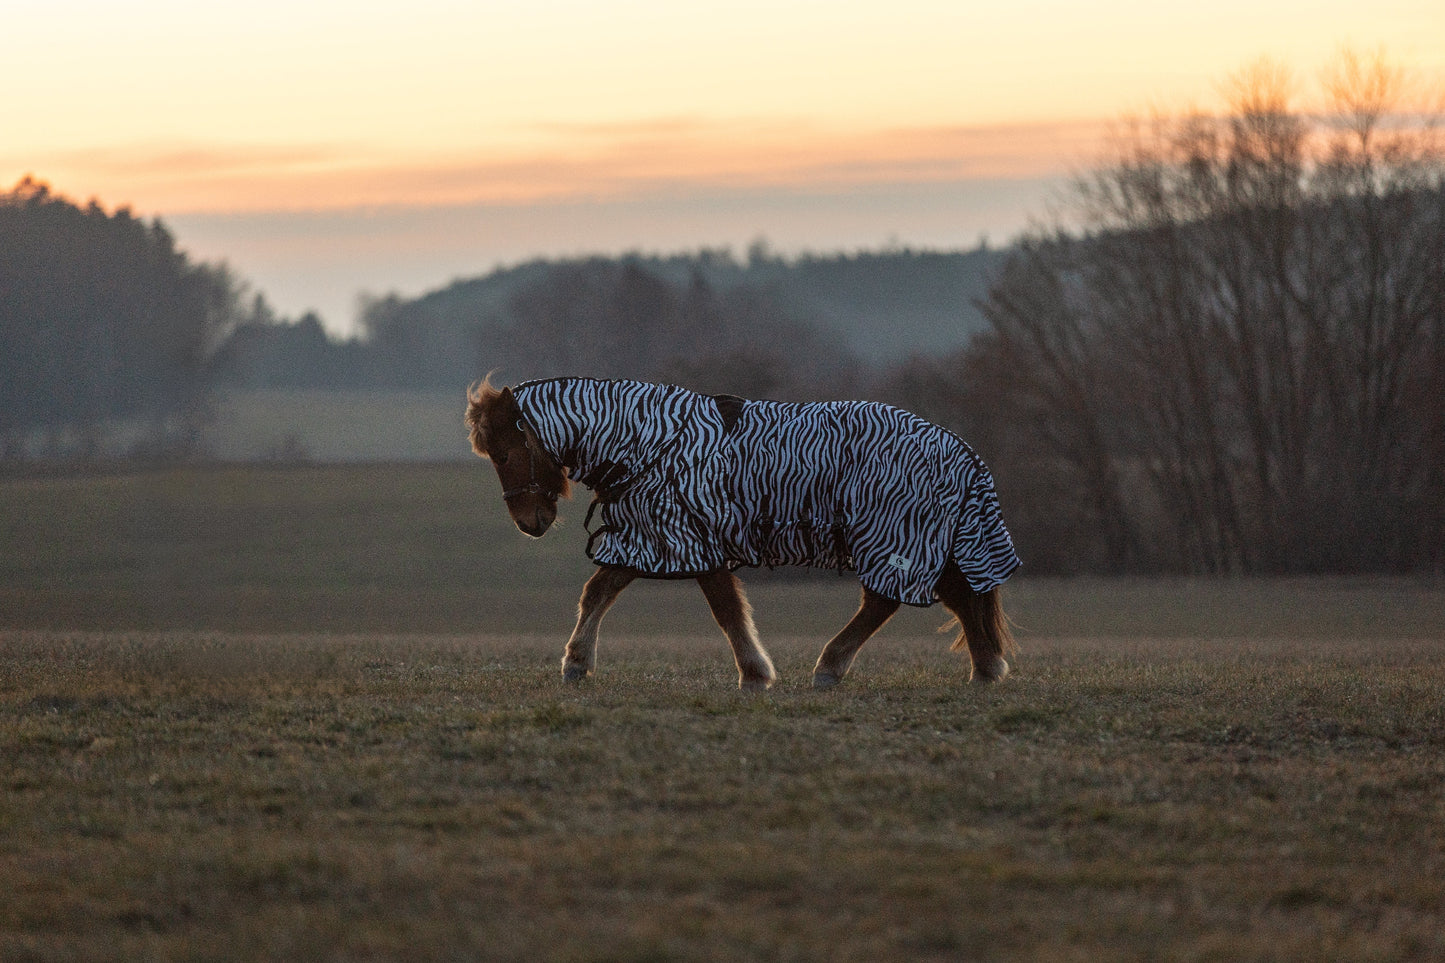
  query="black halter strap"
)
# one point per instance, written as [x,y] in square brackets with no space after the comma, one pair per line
[533,487]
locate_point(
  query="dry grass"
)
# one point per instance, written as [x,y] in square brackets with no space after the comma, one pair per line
[199,796]
[215,743]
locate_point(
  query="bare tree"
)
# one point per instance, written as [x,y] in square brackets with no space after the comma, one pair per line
[1253,321]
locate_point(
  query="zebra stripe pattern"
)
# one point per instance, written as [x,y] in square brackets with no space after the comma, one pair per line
[846,484]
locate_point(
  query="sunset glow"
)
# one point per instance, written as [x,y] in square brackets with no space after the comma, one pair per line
[597,162]
[208,110]
[195,107]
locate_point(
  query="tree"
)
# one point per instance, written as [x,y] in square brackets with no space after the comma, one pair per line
[103,321]
[1252,321]
[619,320]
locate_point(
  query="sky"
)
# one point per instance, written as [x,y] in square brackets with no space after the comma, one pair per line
[325,149]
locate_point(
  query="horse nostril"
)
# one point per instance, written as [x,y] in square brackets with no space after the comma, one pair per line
[535,527]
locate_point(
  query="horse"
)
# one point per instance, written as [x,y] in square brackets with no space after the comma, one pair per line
[694,486]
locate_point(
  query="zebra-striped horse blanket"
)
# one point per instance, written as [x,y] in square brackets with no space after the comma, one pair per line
[688,483]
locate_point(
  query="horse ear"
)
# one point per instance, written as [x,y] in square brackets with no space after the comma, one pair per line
[510,408]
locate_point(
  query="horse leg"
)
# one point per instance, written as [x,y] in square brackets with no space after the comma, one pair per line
[837,655]
[983,626]
[729,604]
[598,595]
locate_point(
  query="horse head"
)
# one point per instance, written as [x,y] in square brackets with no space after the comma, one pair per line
[532,480]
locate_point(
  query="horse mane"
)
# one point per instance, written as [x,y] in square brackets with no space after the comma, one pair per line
[483,398]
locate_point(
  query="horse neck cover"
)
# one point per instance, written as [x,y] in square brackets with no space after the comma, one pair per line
[839,484]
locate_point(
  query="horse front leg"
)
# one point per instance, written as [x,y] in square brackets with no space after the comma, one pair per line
[598,595]
[729,604]
[837,655]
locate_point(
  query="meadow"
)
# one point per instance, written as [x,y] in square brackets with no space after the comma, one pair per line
[315,712]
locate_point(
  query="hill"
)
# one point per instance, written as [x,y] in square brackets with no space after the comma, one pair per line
[883,305]
[807,326]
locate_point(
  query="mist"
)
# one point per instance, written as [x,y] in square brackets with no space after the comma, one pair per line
[322,261]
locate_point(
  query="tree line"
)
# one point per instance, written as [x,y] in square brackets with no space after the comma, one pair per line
[114,342]
[772,323]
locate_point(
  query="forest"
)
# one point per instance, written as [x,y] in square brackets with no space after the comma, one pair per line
[1232,361]
[763,324]
[106,327]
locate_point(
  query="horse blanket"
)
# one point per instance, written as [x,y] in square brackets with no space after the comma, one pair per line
[688,483]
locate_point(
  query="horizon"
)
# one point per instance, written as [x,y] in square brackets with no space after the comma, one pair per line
[327,150]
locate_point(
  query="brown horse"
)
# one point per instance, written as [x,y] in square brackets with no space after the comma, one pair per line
[534,478]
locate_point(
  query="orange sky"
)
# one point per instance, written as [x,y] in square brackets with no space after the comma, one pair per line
[209,114]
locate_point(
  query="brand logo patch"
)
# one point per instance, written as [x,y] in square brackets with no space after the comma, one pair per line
[900,563]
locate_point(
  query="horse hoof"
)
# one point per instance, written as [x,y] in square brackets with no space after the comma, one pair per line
[755,685]
[574,673]
[825,680]
[996,671]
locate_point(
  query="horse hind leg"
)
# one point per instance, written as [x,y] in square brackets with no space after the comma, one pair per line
[729,605]
[983,626]
[598,595]
[837,656]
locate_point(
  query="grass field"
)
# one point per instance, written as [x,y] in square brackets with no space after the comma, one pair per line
[316,713]
[339,425]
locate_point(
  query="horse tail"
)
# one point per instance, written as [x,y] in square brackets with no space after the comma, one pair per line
[984,624]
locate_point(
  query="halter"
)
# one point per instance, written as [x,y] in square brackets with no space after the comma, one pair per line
[533,487]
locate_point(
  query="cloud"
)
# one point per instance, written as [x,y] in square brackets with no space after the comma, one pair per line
[659,157]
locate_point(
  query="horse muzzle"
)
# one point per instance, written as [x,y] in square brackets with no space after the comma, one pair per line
[535,523]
